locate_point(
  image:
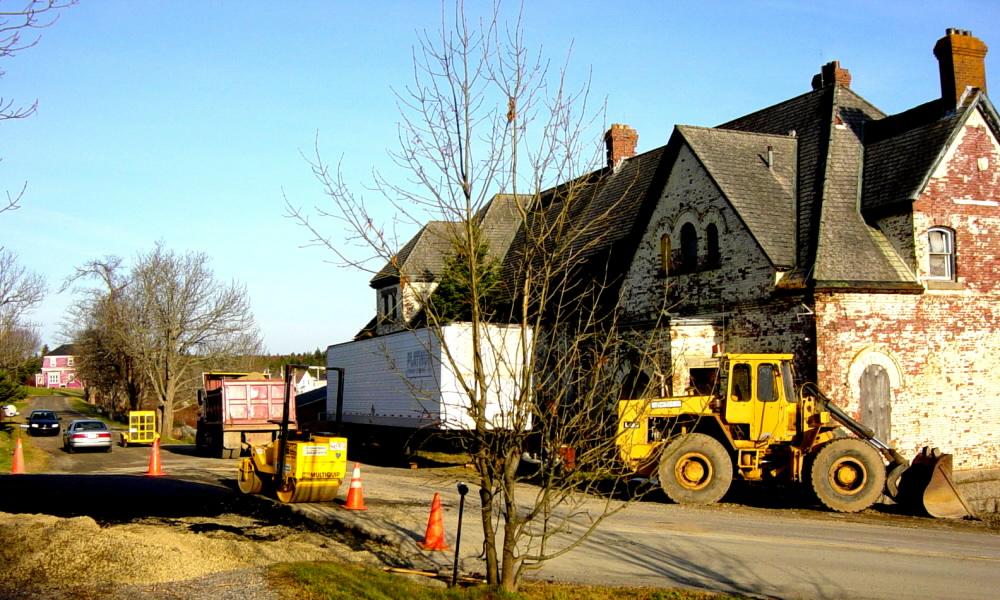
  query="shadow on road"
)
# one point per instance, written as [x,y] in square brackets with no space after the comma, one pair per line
[112,497]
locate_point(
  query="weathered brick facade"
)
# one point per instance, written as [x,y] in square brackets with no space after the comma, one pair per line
[892,303]
[940,348]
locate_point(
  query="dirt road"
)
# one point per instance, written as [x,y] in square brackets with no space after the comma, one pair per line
[788,552]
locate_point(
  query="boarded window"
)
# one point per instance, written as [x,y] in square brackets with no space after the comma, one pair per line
[665,254]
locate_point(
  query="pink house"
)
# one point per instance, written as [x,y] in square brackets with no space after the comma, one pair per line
[59,369]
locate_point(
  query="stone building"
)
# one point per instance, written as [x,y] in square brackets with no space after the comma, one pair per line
[865,244]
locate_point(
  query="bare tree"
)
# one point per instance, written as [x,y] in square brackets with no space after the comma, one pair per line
[487,120]
[163,322]
[100,326]
[28,17]
[20,292]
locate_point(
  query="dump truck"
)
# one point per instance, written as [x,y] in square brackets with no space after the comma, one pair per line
[238,410]
[756,426]
[297,467]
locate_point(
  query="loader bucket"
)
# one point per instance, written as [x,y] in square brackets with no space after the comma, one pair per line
[928,486]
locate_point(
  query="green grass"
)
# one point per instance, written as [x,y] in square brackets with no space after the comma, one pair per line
[34,391]
[335,581]
[35,459]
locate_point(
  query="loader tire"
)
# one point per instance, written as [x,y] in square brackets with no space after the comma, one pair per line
[847,475]
[695,469]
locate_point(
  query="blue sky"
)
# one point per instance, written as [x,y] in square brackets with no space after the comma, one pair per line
[184,121]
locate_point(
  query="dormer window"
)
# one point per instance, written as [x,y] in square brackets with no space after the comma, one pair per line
[941,254]
[389,305]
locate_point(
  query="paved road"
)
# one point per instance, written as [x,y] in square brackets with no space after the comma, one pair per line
[791,553]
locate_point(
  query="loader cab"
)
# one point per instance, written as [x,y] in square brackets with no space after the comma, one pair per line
[758,397]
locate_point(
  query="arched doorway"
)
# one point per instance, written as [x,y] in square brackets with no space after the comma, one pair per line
[876,411]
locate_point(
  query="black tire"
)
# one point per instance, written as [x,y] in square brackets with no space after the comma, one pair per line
[108,449]
[847,475]
[695,469]
[69,449]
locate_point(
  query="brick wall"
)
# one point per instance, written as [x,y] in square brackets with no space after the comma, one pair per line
[940,348]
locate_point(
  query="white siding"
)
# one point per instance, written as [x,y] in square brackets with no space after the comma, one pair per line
[404,379]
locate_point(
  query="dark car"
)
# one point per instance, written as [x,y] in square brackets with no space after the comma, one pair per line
[43,422]
[87,433]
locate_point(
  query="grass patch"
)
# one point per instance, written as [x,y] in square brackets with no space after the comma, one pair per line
[35,391]
[35,459]
[335,581]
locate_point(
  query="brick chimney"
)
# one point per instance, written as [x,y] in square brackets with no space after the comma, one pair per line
[830,74]
[620,141]
[962,61]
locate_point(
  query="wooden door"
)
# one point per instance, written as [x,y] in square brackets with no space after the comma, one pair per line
[875,409]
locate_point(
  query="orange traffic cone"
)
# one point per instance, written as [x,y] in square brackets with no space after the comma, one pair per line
[154,460]
[355,498]
[434,538]
[17,466]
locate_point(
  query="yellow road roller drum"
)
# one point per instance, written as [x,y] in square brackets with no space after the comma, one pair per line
[313,469]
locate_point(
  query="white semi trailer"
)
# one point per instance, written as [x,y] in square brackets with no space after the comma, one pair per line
[413,379]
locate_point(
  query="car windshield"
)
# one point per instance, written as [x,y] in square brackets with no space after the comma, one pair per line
[90,426]
[43,414]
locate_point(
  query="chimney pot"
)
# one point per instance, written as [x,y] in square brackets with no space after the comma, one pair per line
[830,74]
[620,141]
[962,64]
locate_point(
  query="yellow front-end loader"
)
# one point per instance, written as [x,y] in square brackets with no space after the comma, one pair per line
[298,468]
[755,426]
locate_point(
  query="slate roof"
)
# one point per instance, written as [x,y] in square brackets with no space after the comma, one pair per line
[762,194]
[839,163]
[63,350]
[423,257]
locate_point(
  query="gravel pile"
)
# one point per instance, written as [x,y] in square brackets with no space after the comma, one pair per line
[52,557]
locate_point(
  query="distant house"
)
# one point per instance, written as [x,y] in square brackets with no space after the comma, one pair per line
[59,369]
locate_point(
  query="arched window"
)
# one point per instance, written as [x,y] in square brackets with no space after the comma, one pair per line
[712,240]
[665,254]
[689,247]
[941,253]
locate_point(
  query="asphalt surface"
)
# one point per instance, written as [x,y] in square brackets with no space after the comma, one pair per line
[787,552]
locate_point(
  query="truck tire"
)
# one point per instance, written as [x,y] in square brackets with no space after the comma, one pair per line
[695,469]
[847,475]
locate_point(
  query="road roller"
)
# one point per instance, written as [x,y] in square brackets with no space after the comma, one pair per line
[297,467]
[312,469]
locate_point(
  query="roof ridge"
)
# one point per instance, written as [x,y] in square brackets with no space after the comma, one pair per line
[720,129]
[818,92]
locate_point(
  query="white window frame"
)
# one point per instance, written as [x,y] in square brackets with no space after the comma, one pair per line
[54,379]
[949,253]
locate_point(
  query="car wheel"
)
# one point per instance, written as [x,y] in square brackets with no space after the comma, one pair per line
[69,448]
[108,449]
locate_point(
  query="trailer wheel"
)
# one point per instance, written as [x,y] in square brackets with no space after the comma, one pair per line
[847,475]
[695,469]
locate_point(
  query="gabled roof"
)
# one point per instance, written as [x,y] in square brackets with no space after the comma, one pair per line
[422,258]
[902,151]
[762,194]
[63,350]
